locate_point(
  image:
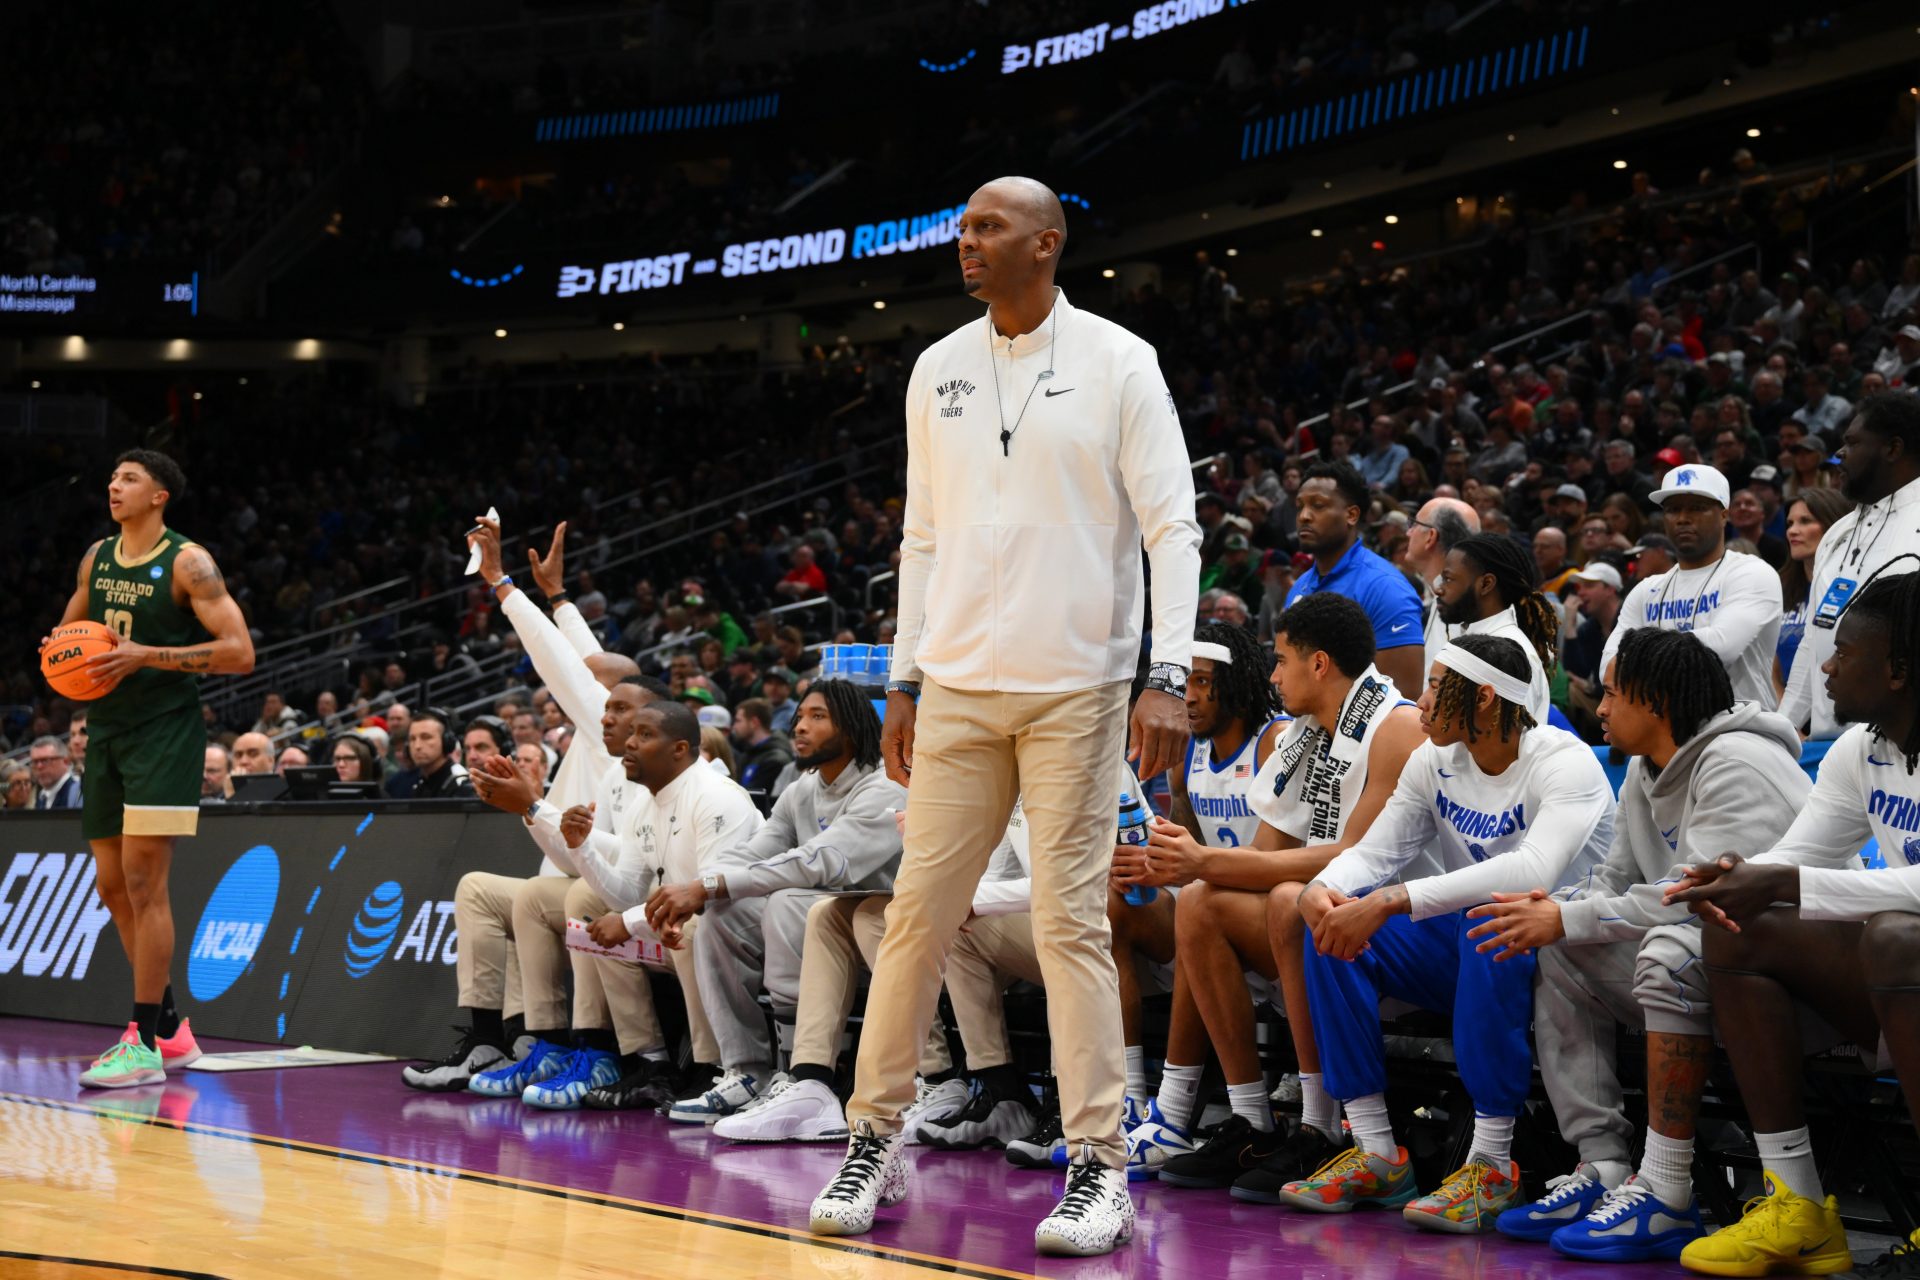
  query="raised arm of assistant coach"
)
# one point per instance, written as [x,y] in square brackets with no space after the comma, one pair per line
[1020,571]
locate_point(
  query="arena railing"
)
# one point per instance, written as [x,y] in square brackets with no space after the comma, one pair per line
[298,670]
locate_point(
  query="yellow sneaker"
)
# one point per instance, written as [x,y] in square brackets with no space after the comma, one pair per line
[1780,1233]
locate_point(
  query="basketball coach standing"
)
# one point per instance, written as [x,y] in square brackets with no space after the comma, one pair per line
[1042,447]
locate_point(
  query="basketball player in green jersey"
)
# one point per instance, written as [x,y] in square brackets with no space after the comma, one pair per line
[168,607]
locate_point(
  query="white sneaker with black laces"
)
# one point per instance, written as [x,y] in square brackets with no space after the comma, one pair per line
[1094,1217]
[873,1174]
[450,1075]
[730,1093]
[791,1111]
[983,1122]
[932,1102]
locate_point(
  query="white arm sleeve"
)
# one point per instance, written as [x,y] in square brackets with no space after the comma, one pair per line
[917,532]
[575,629]
[1395,838]
[1833,825]
[1748,603]
[560,668]
[1568,808]
[1829,893]
[1159,484]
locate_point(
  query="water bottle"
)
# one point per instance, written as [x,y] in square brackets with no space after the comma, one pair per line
[1133,830]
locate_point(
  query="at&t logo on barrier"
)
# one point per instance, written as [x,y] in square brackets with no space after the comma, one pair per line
[428,937]
[234,923]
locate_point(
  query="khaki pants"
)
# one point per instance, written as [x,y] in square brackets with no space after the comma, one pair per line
[993,954]
[973,753]
[484,962]
[540,944]
[843,935]
[628,990]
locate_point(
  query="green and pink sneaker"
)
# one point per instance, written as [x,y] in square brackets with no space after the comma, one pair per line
[127,1064]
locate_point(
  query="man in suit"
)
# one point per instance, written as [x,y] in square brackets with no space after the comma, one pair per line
[55,784]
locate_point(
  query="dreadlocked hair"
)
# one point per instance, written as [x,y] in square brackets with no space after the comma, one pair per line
[1241,687]
[1453,699]
[1516,581]
[1893,603]
[1675,676]
[853,719]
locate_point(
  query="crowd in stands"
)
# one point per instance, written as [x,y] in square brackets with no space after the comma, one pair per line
[137,141]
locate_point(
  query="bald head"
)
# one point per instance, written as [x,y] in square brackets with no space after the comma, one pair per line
[611,668]
[1010,236]
[1440,526]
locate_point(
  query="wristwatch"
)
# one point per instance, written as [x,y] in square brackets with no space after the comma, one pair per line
[909,687]
[713,885]
[1168,677]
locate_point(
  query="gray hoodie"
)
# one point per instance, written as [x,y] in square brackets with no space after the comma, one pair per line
[1736,785]
[823,837]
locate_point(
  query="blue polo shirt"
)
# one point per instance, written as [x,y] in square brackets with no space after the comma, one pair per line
[1383,591]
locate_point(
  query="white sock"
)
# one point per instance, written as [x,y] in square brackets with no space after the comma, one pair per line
[1251,1101]
[655,1055]
[1789,1157]
[1608,1173]
[1318,1107]
[1667,1167]
[1492,1140]
[1137,1073]
[1179,1086]
[1372,1130]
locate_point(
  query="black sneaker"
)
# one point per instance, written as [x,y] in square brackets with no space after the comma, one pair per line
[1235,1148]
[1297,1158]
[1902,1262]
[469,1057]
[647,1087]
[1035,1151]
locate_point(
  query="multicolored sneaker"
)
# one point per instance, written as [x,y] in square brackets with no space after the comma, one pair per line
[1570,1197]
[1631,1224]
[1469,1201]
[129,1063]
[1781,1233]
[1354,1178]
[178,1049]
[585,1069]
[510,1080]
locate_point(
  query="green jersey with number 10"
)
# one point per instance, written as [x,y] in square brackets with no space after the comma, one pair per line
[134,596]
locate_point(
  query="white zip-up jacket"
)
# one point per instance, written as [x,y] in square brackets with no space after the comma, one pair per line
[1020,568]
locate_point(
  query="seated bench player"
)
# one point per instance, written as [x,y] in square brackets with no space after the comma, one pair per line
[1335,766]
[1500,805]
[1804,928]
[832,830]
[1234,717]
[1707,774]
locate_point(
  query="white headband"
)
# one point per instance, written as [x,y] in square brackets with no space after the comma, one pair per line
[1512,688]
[1217,652]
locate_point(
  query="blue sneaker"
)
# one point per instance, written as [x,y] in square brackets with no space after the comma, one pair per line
[1631,1225]
[1570,1197]
[510,1081]
[585,1069]
[1151,1144]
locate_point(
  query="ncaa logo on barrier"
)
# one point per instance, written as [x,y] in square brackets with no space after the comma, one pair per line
[234,923]
[374,925]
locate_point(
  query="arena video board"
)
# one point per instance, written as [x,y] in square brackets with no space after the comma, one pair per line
[763,256]
[1142,24]
[64,298]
